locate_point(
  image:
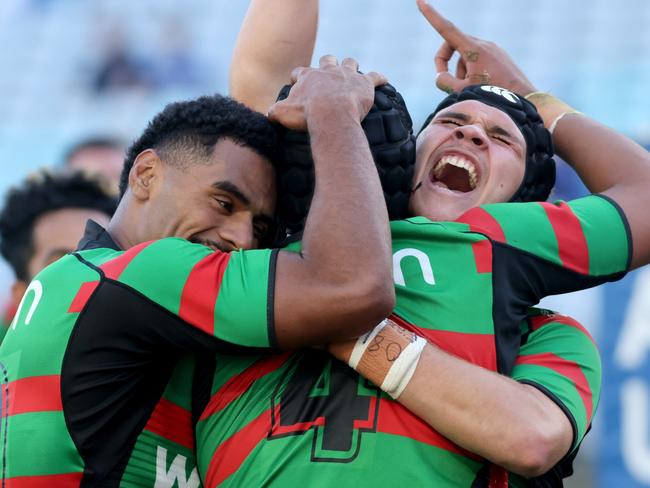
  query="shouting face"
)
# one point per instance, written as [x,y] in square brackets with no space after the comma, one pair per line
[470,154]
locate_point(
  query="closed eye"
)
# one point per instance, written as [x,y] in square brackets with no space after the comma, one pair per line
[501,139]
[450,121]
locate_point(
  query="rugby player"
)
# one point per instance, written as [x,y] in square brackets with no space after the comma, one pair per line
[303,419]
[100,331]
[43,218]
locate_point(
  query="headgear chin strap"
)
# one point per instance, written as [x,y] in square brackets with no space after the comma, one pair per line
[389,130]
[539,176]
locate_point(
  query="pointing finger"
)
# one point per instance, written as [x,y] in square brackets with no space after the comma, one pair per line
[445,28]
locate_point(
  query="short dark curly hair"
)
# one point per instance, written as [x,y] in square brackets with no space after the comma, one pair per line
[192,128]
[43,192]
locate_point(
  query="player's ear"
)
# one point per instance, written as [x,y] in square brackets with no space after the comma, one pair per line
[144,174]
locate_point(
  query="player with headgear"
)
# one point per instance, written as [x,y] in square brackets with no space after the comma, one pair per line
[465,286]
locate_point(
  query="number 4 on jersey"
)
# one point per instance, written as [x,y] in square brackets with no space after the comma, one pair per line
[327,397]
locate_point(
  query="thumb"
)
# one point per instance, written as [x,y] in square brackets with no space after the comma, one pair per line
[449,83]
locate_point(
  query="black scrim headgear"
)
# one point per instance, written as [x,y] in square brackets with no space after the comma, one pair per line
[539,176]
[389,130]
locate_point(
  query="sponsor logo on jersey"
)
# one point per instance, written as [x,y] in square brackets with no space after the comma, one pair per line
[176,474]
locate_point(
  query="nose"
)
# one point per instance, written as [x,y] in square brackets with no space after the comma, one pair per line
[473,134]
[239,233]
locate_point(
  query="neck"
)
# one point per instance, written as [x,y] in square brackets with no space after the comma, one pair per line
[123,227]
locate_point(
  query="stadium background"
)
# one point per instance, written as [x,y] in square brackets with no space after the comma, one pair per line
[591,53]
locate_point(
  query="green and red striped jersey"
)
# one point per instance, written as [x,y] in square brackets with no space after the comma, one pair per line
[97,369]
[466,286]
[559,357]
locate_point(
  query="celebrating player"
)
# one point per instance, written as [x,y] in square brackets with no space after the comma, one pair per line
[99,332]
[301,417]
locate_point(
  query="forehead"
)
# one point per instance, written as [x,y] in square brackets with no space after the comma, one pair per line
[231,162]
[63,228]
[482,113]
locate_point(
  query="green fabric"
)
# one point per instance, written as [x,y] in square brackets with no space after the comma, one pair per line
[582,358]
[439,290]
[241,310]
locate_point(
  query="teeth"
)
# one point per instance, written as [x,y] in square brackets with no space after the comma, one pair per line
[459,162]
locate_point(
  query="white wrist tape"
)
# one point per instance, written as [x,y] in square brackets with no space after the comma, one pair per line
[387,356]
[403,368]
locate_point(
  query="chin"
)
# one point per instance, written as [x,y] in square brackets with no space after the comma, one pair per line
[442,207]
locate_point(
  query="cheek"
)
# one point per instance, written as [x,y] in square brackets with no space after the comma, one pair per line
[507,174]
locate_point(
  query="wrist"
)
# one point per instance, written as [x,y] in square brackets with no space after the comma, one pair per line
[387,356]
[550,108]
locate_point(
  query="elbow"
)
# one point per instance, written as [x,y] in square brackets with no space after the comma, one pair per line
[370,304]
[537,453]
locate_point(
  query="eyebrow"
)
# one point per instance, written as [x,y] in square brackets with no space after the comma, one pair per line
[493,129]
[233,190]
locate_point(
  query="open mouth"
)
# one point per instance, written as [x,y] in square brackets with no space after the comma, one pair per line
[455,173]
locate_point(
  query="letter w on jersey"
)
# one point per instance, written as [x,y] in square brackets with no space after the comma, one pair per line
[166,478]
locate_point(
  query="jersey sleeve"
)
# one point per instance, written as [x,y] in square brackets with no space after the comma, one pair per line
[581,242]
[559,358]
[226,295]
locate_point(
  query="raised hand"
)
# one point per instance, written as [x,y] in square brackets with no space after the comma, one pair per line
[331,87]
[480,61]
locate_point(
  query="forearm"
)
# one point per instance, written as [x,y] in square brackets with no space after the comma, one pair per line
[608,163]
[276,36]
[348,202]
[511,424]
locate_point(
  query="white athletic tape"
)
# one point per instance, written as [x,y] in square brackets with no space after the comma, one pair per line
[402,370]
[363,342]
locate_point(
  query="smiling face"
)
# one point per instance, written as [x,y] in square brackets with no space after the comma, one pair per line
[470,154]
[225,203]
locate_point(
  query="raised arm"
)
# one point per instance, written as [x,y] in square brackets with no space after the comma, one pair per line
[276,36]
[607,162]
[340,285]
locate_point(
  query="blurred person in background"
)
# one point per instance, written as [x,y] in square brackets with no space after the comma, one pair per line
[174,63]
[98,154]
[118,67]
[43,219]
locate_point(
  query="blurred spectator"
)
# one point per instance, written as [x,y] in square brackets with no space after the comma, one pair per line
[174,64]
[101,154]
[119,68]
[43,219]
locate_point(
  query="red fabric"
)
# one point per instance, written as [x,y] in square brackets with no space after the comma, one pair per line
[570,369]
[540,321]
[231,453]
[68,480]
[113,269]
[480,220]
[236,386]
[398,420]
[201,290]
[82,296]
[33,394]
[172,422]
[571,241]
